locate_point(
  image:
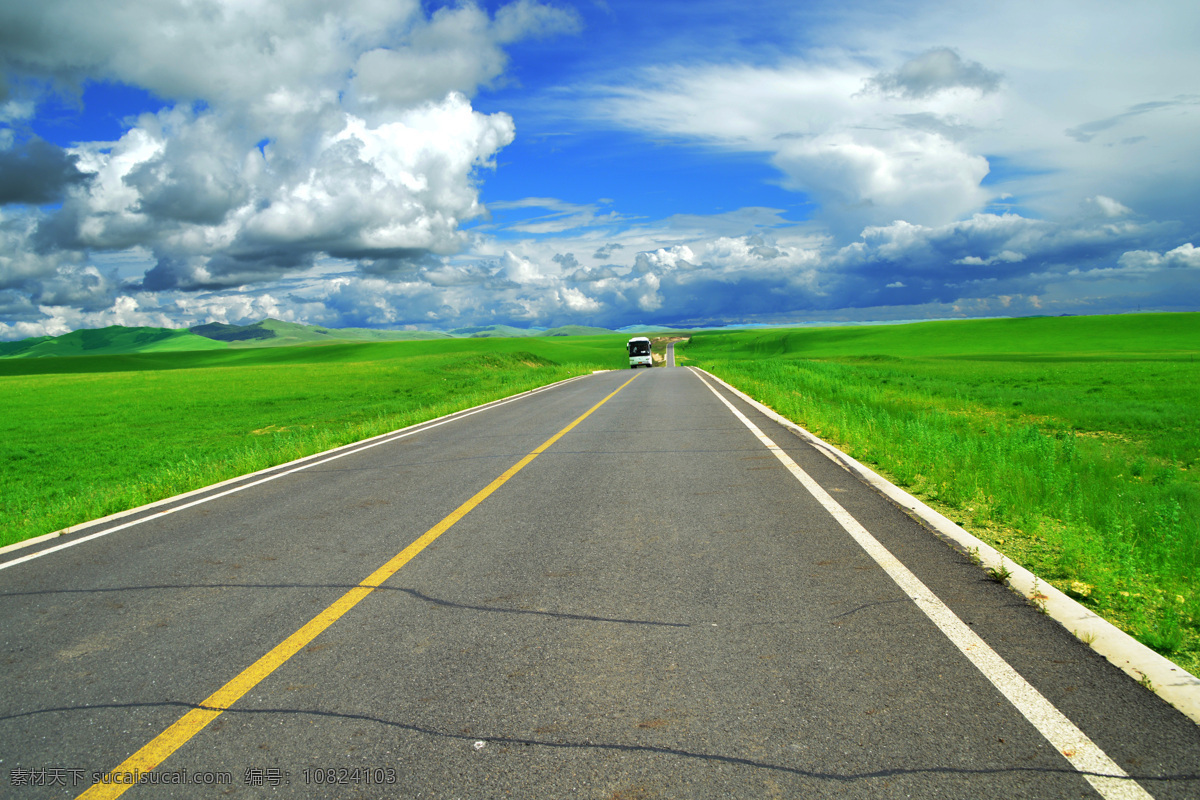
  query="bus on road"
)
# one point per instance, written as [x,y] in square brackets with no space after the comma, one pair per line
[639,352]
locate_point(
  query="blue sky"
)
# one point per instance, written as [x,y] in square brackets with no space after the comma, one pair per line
[398,164]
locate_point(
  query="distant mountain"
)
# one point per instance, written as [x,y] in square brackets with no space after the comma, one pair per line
[268,333]
[648,329]
[509,332]
[575,330]
[487,331]
[276,333]
[112,340]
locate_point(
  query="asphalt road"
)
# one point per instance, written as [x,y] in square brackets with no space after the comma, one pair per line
[653,606]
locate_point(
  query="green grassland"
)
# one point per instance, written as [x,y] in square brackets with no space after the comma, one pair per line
[1070,444]
[86,436]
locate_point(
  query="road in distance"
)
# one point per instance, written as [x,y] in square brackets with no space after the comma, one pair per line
[651,607]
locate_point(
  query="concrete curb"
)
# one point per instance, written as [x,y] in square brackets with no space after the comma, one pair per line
[1170,682]
[299,462]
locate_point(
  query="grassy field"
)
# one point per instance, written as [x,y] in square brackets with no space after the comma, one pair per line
[1070,444]
[82,437]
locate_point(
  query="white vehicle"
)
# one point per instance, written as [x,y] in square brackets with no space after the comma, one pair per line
[639,352]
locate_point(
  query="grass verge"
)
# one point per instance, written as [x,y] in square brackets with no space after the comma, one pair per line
[84,437]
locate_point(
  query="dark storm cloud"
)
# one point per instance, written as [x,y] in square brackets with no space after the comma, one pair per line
[36,172]
[68,229]
[395,262]
[987,255]
[222,270]
[17,306]
[196,190]
[86,289]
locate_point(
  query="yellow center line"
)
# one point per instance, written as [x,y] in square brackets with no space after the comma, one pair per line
[126,774]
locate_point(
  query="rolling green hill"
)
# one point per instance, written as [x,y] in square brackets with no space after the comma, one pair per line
[23,346]
[112,340]
[118,340]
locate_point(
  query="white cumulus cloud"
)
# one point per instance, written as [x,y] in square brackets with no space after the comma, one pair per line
[290,133]
[858,153]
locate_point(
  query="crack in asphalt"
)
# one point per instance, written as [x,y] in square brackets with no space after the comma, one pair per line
[437,601]
[587,744]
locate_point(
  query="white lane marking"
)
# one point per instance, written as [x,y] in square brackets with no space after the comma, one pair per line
[341,452]
[1170,681]
[1093,763]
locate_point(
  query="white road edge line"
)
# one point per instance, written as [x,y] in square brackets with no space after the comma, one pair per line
[277,471]
[1168,680]
[1093,764]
